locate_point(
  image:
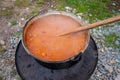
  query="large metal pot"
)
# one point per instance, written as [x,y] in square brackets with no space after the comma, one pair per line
[52,64]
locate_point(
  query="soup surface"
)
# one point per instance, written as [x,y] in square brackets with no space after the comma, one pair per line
[40,37]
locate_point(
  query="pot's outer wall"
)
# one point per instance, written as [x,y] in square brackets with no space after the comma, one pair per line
[29,69]
[45,12]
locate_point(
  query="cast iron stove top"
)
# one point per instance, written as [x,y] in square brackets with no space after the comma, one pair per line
[29,69]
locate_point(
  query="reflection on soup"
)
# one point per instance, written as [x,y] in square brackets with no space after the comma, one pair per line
[41,40]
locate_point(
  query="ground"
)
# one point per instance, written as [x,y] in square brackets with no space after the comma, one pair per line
[15,13]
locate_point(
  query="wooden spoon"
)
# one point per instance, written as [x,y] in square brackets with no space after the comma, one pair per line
[90,26]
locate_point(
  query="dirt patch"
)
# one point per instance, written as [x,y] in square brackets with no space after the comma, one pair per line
[6,3]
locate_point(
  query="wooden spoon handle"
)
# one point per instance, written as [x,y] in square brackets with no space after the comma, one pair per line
[93,25]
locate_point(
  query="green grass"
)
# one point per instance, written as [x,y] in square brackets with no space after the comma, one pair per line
[7,12]
[110,40]
[26,3]
[22,3]
[19,78]
[97,8]
[118,22]
[35,11]
[2,50]
[14,22]
[1,78]
[39,3]
[24,16]
[16,34]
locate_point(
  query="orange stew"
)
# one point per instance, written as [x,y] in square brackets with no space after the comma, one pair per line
[41,40]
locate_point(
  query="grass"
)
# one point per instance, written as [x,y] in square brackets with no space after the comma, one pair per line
[13,22]
[33,12]
[118,22]
[22,3]
[6,12]
[2,50]
[110,40]
[92,9]
[16,34]
[39,3]
[24,16]
[1,78]
[19,78]
[26,3]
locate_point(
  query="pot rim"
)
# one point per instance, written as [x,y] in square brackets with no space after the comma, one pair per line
[33,18]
